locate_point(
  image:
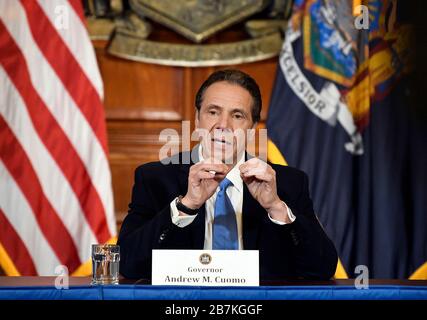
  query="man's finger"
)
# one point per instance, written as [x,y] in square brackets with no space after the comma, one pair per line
[253,163]
[263,176]
[217,168]
[267,177]
[247,180]
[254,171]
[205,175]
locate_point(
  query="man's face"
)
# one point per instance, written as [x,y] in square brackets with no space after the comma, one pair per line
[226,113]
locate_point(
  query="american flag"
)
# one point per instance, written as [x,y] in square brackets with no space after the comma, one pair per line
[55,182]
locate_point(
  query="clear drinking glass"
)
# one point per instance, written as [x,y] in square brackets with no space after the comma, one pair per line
[105,264]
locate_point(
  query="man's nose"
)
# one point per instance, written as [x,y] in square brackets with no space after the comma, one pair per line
[224,122]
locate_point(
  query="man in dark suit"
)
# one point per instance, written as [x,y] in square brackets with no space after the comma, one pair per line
[224,198]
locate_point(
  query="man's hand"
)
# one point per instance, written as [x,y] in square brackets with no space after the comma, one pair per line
[203,179]
[260,178]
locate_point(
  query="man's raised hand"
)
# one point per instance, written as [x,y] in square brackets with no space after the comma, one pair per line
[203,179]
[260,178]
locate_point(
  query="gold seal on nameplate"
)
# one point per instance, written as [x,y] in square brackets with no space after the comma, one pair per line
[205,258]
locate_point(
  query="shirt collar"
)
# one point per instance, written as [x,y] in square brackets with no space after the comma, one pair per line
[234,174]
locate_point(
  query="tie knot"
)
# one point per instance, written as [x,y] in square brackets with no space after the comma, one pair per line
[224,184]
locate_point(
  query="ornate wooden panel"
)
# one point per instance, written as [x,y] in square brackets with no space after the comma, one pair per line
[142,99]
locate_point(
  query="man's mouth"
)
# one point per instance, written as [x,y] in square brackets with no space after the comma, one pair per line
[220,141]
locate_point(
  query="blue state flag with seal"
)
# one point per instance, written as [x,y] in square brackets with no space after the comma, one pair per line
[341,111]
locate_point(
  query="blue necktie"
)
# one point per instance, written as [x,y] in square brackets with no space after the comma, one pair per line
[225,224]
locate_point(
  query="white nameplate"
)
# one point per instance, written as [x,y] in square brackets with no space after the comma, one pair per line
[205,267]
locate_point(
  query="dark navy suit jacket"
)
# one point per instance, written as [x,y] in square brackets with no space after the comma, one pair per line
[297,250]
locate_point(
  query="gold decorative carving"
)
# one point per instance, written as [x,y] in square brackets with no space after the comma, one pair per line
[138,49]
[196,20]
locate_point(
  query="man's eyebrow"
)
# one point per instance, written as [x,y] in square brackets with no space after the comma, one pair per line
[239,110]
[213,106]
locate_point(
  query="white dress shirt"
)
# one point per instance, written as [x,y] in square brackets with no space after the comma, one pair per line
[234,192]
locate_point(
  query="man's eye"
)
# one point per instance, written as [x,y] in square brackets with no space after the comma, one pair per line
[212,112]
[238,116]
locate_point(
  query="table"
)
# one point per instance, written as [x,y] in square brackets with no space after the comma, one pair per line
[43,288]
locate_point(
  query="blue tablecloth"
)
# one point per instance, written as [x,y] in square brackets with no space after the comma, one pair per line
[148,292]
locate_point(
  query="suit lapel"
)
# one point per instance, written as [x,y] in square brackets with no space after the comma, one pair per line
[251,217]
[198,225]
[186,160]
[198,232]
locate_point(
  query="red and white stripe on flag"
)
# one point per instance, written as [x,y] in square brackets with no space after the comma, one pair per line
[55,182]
